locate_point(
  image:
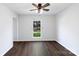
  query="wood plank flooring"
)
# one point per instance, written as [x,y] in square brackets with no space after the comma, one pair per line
[47,48]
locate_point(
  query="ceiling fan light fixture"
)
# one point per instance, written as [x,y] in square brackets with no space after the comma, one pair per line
[41,11]
[36,11]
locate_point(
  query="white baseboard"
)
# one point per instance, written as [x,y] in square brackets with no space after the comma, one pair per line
[37,40]
[6,50]
[66,47]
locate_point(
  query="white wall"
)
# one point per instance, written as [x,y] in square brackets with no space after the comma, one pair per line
[25,27]
[6,30]
[68,28]
[15,28]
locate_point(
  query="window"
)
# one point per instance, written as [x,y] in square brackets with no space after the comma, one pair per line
[36,29]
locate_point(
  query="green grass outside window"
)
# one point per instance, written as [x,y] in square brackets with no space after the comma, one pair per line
[36,34]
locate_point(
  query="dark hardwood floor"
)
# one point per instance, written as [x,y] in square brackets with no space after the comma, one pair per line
[47,48]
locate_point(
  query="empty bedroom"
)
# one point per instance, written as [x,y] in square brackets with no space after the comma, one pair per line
[39,29]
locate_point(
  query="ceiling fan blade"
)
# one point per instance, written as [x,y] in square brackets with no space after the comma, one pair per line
[33,9]
[47,4]
[34,5]
[46,9]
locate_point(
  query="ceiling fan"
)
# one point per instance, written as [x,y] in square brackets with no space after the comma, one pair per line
[40,7]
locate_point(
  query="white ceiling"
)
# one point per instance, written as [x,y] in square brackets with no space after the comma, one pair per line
[23,8]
